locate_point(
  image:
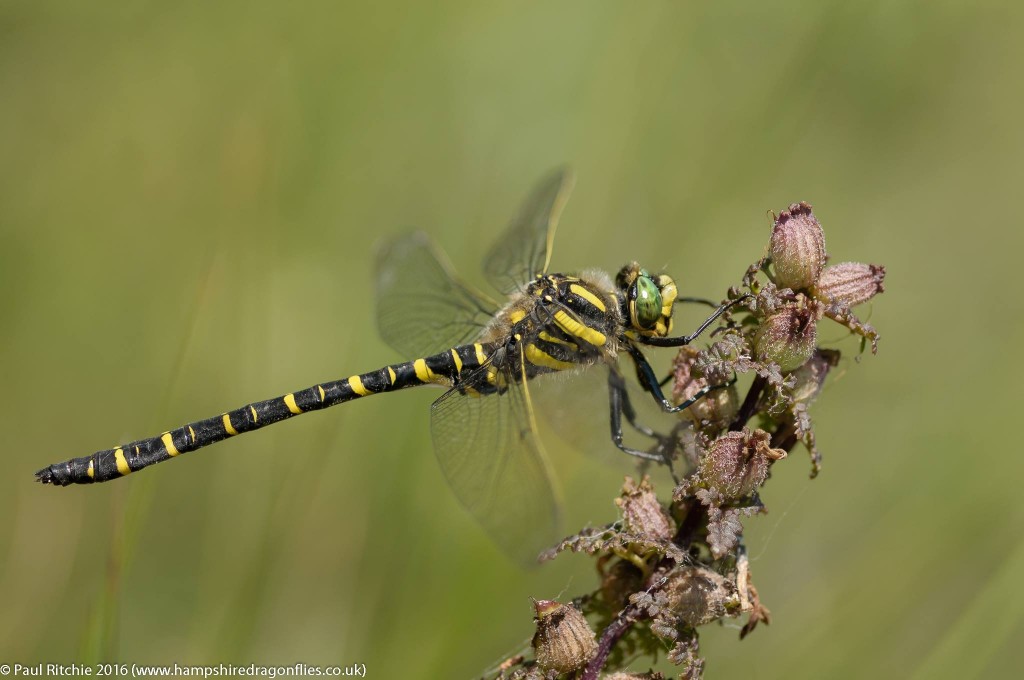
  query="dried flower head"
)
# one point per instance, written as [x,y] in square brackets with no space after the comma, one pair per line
[787,337]
[698,595]
[642,512]
[850,283]
[737,463]
[564,641]
[797,247]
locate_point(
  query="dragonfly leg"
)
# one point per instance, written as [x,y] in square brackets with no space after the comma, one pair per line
[689,300]
[696,301]
[620,405]
[649,381]
[687,339]
[617,383]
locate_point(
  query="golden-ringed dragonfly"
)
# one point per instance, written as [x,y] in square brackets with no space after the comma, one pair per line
[483,427]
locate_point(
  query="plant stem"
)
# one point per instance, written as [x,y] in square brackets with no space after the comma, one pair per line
[749,404]
[615,630]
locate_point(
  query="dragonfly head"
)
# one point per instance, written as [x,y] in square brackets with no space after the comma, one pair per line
[646,300]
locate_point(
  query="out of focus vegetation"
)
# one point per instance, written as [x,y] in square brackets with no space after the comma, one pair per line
[190,198]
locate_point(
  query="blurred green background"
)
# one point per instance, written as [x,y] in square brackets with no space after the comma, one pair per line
[190,198]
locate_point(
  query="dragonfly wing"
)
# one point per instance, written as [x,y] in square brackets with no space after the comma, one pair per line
[422,306]
[524,250]
[575,406]
[490,453]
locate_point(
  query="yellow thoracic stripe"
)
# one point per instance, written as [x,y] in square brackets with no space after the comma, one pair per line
[323,395]
[391,374]
[356,383]
[588,296]
[458,361]
[581,331]
[516,315]
[192,433]
[539,357]
[289,401]
[228,427]
[91,471]
[255,417]
[168,441]
[122,464]
[480,356]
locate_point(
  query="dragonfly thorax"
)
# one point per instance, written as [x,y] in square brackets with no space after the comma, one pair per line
[581,312]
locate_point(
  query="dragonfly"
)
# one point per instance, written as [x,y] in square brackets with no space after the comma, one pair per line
[486,354]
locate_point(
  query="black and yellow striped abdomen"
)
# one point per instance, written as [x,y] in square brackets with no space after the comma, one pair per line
[558,323]
[445,368]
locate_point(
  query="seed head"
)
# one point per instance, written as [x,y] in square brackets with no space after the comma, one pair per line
[797,247]
[787,337]
[698,595]
[737,463]
[642,513]
[850,283]
[564,641]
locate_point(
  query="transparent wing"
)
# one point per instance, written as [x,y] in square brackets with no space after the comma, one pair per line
[524,250]
[489,451]
[575,405]
[422,306]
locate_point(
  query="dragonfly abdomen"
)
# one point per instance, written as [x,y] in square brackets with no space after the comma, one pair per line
[445,368]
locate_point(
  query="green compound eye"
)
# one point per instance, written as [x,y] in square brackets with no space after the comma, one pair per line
[647,302]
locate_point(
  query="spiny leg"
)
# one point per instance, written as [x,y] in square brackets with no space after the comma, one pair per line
[687,339]
[617,381]
[650,383]
[696,301]
[620,405]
